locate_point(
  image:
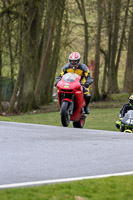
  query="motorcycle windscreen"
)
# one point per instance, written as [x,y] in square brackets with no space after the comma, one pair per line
[70,77]
[128,118]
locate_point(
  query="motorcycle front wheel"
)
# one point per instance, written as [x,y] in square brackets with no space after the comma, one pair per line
[122,128]
[79,124]
[65,115]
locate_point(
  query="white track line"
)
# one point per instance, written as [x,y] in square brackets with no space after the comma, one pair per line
[35,183]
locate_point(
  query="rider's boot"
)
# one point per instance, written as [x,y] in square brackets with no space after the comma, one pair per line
[87,100]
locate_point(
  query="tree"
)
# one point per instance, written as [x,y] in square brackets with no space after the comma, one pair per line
[81,6]
[0,67]
[128,77]
[112,80]
[30,39]
[95,94]
[115,41]
[45,81]
[38,45]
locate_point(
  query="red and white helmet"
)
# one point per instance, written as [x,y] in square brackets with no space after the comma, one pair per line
[74,59]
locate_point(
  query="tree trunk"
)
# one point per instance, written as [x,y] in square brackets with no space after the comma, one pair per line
[56,49]
[95,92]
[103,89]
[81,6]
[122,36]
[44,86]
[0,76]
[113,84]
[1,67]
[128,78]
[41,81]
[30,48]
[109,29]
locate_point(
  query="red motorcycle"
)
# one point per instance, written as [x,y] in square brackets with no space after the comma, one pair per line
[71,100]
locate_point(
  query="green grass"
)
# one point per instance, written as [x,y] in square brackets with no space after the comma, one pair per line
[103,119]
[113,188]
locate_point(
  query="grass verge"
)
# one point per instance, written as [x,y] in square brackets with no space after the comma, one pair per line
[103,119]
[113,188]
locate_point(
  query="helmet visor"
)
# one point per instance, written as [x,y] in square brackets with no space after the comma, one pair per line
[131,102]
[74,62]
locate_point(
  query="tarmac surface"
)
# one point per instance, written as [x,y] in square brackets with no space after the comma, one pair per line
[30,152]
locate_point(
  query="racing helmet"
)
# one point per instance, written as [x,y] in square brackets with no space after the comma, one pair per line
[131,100]
[74,59]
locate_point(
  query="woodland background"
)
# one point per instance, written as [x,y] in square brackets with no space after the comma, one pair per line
[37,36]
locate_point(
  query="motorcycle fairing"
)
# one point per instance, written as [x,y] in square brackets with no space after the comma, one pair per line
[128,119]
[73,80]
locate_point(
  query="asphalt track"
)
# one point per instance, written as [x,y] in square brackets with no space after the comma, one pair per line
[38,154]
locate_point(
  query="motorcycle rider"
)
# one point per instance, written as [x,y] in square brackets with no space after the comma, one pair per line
[125,108]
[75,66]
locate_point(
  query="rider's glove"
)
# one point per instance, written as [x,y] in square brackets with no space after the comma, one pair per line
[84,89]
[118,123]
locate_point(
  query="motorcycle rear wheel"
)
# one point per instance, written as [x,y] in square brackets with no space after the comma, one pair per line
[65,115]
[79,124]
